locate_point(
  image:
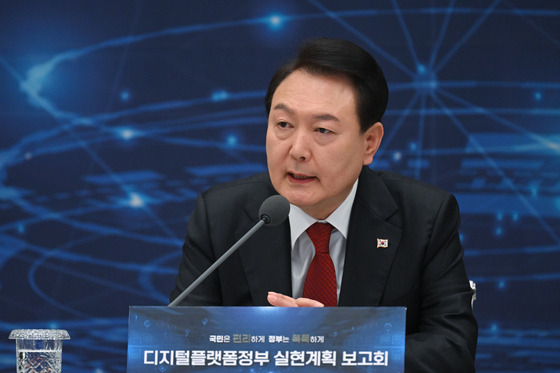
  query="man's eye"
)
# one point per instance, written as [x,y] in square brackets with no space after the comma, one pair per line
[323,130]
[283,124]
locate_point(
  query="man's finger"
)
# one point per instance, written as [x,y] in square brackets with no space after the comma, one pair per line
[281,300]
[306,302]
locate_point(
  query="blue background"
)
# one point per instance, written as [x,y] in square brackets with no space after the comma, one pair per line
[114,115]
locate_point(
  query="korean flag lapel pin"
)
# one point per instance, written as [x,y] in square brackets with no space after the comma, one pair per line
[382,243]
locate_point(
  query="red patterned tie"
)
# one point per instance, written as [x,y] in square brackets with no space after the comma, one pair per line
[320,283]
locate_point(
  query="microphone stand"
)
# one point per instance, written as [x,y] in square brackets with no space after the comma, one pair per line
[211,269]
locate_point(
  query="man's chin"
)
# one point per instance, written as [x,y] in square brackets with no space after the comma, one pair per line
[303,202]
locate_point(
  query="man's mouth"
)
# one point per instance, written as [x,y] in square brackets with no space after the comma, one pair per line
[300,177]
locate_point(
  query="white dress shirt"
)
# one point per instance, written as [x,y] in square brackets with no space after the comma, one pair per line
[303,249]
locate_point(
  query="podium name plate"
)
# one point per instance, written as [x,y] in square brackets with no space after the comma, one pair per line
[266,339]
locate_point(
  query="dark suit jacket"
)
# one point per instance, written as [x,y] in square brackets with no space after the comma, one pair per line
[422,269]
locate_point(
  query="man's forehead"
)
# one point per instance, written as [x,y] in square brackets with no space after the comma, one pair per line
[318,97]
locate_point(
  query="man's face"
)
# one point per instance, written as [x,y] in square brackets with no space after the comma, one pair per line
[315,148]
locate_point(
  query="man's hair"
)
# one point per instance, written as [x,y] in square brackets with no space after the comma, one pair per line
[326,56]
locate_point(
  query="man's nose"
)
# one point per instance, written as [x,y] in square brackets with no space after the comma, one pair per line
[301,149]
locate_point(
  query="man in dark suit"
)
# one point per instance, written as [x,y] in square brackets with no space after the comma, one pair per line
[394,240]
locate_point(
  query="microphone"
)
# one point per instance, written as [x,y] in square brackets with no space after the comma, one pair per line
[273,211]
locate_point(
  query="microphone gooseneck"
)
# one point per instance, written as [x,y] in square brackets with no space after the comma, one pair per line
[273,211]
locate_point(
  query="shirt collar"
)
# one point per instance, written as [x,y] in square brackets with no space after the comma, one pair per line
[340,218]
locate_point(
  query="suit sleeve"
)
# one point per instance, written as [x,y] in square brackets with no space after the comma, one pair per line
[197,256]
[446,338]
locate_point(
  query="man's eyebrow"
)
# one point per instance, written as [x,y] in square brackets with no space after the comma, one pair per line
[320,117]
[323,117]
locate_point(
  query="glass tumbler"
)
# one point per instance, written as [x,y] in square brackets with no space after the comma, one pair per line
[39,350]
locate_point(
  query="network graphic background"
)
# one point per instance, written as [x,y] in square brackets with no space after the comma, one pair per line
[115,115]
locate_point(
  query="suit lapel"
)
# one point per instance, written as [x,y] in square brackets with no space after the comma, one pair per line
[366,265]
[265,256]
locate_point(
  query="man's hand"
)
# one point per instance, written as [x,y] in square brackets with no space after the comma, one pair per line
[281,300]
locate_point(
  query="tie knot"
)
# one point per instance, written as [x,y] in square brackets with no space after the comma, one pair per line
[320,234]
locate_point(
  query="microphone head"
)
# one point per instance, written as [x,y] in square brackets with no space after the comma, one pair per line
[274,210]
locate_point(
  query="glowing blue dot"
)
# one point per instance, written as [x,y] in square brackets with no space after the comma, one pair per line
[502,285]
[275,21]
[494,327]
[219,95]
[534,190]
[397,156]
[231,140]
[135,200]
[412,146]
[21,228]
[498,231]
[125,96]
[425,80]
[515,216]
[500,216]
[126,133]
[35,77]
[538,96]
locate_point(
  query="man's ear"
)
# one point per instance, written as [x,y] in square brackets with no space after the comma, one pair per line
[372,138]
